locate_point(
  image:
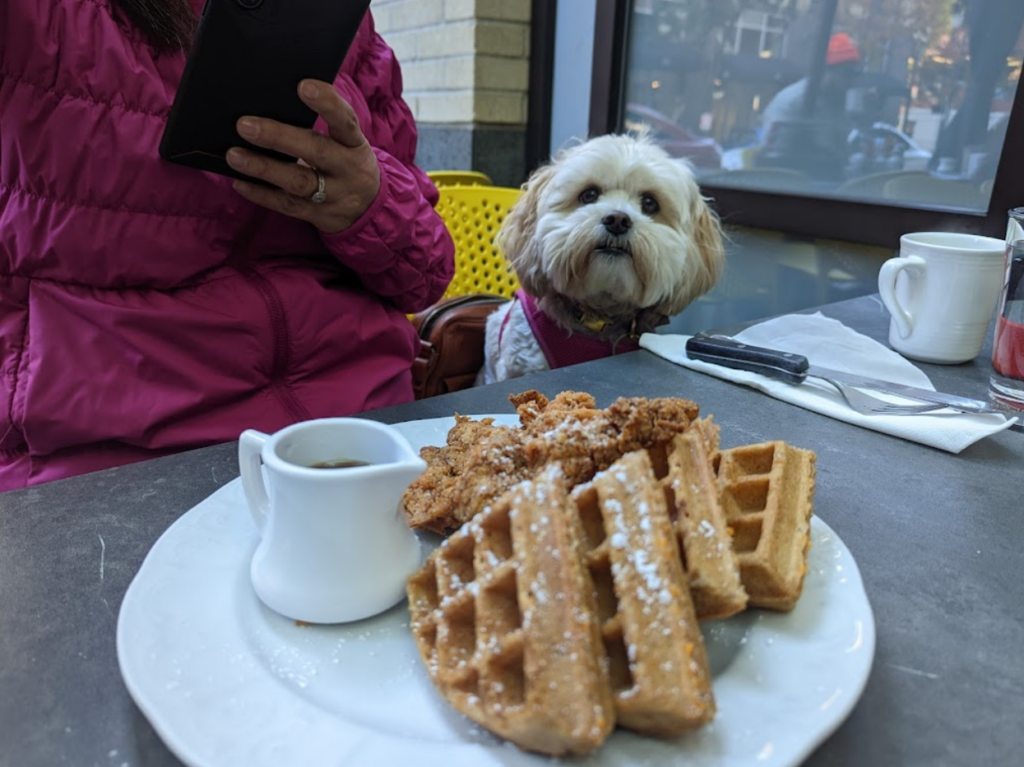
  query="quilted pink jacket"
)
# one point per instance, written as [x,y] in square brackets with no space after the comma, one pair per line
[147,308]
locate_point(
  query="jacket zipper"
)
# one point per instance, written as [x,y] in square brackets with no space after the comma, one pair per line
[278,326]
[282,345]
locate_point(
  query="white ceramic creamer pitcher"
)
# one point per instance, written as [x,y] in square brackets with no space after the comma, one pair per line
[325,495]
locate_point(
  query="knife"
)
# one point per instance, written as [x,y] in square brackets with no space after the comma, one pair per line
[795,368]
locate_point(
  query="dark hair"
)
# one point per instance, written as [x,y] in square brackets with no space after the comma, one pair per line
[166,25]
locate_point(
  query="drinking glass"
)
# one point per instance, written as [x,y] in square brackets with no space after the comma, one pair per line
[1006,383]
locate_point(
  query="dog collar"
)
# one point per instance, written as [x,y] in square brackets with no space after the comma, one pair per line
[562,347]
[592,322]
[597,324]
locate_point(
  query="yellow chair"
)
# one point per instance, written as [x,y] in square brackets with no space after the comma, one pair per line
[473,215]
[459,178]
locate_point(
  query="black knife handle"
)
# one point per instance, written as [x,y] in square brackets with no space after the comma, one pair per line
[722,350]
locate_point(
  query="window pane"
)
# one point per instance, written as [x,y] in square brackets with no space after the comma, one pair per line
[903,102]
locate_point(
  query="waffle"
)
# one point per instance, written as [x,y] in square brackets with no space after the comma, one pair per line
[504,616]
[657,661]
[709,432]
[549,618]
[766,492]
[699,521]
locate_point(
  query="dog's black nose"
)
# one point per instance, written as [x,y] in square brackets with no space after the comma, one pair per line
[617,223]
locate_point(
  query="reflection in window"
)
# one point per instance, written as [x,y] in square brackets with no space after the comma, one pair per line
[902,101]
[759,33]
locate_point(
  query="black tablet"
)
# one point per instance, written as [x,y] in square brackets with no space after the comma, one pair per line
[248,58]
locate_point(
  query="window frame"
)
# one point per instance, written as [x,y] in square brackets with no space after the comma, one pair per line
[543,17]
[764,30]
[817,217]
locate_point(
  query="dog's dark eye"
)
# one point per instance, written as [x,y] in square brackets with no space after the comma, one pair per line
[590,195]
[649,205]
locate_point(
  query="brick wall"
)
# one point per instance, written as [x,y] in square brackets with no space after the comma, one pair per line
[465,66]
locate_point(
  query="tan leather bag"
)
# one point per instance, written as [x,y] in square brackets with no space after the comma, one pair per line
[451,343]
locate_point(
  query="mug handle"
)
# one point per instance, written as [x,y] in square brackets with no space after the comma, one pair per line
[250,445]
[914,265]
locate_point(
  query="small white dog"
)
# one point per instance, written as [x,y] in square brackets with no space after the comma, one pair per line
[608,240]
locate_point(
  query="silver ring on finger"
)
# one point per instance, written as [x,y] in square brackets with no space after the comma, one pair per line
[319,196]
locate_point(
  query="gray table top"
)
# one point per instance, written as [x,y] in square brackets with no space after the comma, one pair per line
[938,539]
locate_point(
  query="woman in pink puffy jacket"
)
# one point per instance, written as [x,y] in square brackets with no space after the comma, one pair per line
[147,308]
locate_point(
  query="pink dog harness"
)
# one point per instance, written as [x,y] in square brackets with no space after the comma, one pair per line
[562,348]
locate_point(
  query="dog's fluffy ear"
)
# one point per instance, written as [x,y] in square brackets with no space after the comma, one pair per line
[706,256]
[517,237]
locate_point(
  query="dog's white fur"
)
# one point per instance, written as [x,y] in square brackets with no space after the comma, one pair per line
[580,270]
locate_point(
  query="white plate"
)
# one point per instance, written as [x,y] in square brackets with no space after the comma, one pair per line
[226,682]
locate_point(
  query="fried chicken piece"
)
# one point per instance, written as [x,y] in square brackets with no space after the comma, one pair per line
[489,468]
[587,440]
[528,404]
[531,404]
[579,439]
[428,498]
[481,461]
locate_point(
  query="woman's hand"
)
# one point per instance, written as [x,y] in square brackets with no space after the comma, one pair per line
[342,163]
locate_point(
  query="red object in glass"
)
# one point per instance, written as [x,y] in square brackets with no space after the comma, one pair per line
[1008,354]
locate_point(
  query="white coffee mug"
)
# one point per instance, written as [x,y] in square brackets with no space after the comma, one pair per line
[941,293]
[334,545]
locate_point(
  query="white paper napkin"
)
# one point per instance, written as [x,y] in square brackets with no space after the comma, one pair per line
[832,344]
